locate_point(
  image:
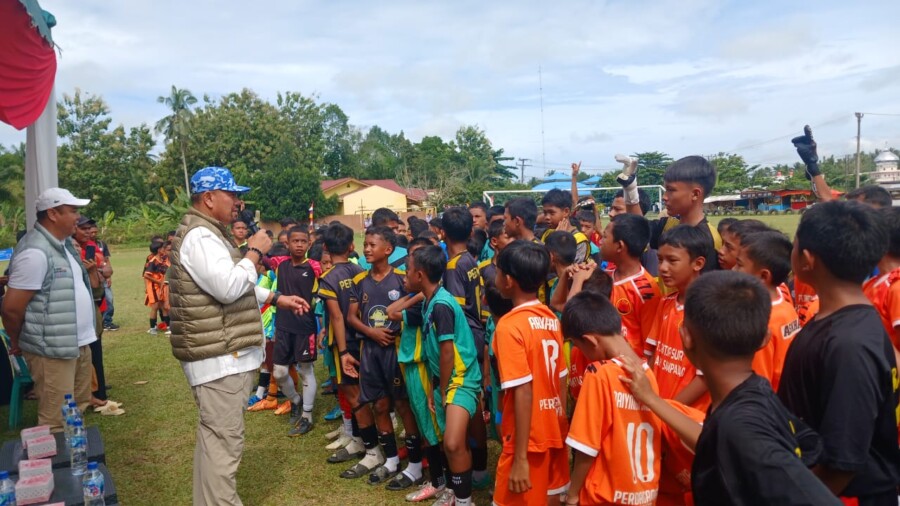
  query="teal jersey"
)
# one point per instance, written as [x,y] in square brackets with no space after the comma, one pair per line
[411,348]
[487,252]
[444,320]
[397,260]
[267,281]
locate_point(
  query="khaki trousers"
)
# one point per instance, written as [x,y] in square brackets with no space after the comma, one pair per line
[56,377]
[220,438]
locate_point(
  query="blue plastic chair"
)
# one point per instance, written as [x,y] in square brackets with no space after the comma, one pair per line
[21,379]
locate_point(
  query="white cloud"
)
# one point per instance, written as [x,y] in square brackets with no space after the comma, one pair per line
[682,76]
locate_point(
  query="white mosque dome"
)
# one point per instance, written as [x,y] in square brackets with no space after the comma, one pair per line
[886,156]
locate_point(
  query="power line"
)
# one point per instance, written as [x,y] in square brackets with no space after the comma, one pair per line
[879,114]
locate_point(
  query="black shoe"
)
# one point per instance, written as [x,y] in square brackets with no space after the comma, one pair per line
[112,327]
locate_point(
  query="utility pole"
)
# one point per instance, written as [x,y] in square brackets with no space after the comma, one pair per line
[522,166]
[859,117]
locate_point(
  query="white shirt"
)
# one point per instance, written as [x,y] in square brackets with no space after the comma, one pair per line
[208,261]
[28,272]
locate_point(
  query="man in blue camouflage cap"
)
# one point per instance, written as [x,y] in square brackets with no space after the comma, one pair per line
[216,326]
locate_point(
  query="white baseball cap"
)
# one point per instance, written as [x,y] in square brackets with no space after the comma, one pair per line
[55,197]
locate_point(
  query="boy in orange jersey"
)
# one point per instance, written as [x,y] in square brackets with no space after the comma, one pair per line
[751,448]
[616,440]
[884,290]
[534,465]
[767,256]
[635,291]
[681,261]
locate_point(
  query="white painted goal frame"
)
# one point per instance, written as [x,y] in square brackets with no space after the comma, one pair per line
[488,195]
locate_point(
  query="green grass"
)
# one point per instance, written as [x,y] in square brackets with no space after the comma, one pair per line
[149,450]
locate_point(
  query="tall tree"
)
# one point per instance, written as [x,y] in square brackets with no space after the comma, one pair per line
[176,125]
[651,167]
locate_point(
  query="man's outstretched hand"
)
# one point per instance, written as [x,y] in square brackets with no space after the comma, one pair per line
[806,148]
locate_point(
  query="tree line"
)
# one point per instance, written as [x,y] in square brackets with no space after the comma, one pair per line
[284,148]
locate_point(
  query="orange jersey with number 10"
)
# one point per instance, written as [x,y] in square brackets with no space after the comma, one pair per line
[621,434]
[635,298]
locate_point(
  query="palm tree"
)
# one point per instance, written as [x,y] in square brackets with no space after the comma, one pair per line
[175,125]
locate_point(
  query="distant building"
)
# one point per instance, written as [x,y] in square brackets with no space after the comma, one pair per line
[362,196]
[887,173]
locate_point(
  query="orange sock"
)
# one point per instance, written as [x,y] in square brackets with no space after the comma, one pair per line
[273,389]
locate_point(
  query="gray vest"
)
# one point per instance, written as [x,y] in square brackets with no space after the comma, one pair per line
[49,328]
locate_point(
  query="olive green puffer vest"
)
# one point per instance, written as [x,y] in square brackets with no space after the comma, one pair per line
[203,327]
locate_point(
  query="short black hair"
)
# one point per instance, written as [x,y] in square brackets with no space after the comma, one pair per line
[599,282]
[41,215]
[523,208]
[770,250]
[385,233]
[561,199]
[431,261]
[437,223]
[692,169]
[480,205]
[729,312]
[338,238]
[590,313]
[382,216]
[417,227]
[633,230]
[643,199]
[497,210]
[287,221]
[526,262]
[402,240]
[891,218]
[587,216]
[297,229]
[457,223]
[871,194]
[495,229]
[155,245]
[743,228]
[498,305]
[849,237]
[430,236]
[687,237]
[563,245]
[419,242]
[315,252]
[476,242]
[725,224]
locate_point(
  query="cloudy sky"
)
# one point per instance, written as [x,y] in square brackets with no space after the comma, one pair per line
[680,76]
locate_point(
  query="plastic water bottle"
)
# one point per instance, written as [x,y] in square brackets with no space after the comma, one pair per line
[7,490]
[72,415]
[78,448]
[65,406]
[92,486]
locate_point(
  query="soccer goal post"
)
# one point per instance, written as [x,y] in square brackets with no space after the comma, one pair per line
[603,196]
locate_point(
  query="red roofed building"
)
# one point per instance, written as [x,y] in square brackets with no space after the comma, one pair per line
[362,196]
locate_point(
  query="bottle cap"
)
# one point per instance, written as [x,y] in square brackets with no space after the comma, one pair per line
[92,465]
[68,396]
[4,475]
[72,404]
[77,423]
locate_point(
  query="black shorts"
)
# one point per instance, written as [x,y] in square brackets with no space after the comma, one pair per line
[291,348]
[342,378]
[379,373]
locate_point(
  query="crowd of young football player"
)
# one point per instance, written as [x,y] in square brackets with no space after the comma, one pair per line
[661,361]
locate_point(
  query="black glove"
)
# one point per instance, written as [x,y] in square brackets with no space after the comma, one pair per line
[806,148]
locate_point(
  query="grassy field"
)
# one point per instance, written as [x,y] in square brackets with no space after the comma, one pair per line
[150,448]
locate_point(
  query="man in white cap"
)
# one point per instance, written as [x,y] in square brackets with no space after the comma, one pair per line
[216,327]
[49,308]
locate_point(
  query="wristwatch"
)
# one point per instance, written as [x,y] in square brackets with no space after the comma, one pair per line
[275,296]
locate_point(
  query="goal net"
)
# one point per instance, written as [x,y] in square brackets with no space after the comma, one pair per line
[603,196]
